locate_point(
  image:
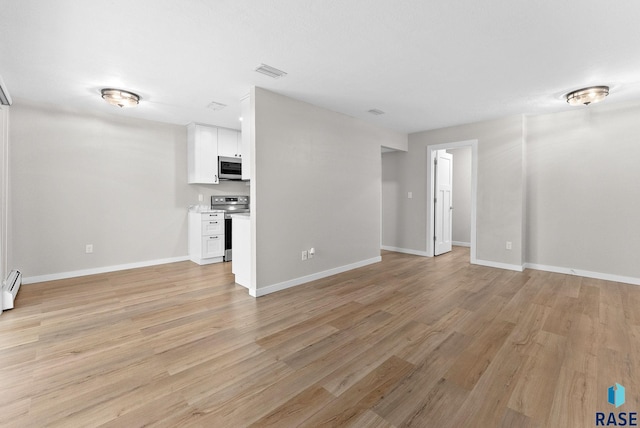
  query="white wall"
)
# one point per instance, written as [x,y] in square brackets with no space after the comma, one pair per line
[500,189]
[317,184]
[563,187]
[583,179]
[461,195]
[120,184]
[115,182]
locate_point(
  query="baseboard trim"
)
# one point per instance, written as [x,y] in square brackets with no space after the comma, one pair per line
[498,265]
[105,269]
[584,273]
[461,244]
[405,251]
[262,291]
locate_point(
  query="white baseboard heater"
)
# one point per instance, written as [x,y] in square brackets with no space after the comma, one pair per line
[10,289]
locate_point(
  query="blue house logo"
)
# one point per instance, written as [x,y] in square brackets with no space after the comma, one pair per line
[616,395]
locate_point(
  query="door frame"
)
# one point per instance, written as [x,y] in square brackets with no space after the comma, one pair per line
[431,150]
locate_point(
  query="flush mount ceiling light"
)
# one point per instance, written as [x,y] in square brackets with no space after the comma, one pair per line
[586,96]
[270,71]
[120,98]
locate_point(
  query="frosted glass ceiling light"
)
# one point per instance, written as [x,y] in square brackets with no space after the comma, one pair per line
[120,98]
[588,95]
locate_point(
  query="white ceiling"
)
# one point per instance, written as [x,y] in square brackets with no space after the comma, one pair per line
[427,64]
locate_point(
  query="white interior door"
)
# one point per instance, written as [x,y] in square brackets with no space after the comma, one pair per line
[443,208]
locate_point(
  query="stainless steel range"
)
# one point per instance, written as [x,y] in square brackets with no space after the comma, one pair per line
[230,205]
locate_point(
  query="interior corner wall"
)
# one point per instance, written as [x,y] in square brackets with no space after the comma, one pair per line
[583,196]
[317,184]
[500,189]
[392,193]
[80,178]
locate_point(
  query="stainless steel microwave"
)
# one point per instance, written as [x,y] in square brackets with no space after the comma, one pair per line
[229,168]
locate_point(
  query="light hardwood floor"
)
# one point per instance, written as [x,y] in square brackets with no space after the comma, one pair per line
[410,341]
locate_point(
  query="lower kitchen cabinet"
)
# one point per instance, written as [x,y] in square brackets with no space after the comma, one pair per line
[206,237]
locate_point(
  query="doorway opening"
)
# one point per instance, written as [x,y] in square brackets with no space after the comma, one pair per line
[432,154]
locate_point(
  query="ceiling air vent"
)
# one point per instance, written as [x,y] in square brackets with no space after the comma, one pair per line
[216,106]
[5,98]
[376,111]
[270,71]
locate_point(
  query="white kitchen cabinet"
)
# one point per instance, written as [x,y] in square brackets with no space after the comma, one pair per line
[202,154]
[206,237]
[212,247]
[229,143]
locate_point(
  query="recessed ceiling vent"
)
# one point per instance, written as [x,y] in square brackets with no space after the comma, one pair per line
[216,106]
[270,71]
[5,98]
[376,112]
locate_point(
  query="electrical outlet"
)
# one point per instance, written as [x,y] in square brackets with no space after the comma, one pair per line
[88,248]
[305,255]
[200,198]
[509,246]
[410,195]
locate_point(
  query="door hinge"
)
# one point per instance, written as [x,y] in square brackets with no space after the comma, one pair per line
[435,161]
[435,239]
[435,200]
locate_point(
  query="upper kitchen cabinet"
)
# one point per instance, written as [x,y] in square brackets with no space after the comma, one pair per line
[229,143]
[202,154]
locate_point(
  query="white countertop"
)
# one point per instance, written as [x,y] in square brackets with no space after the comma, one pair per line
[203,209]
[241,215]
